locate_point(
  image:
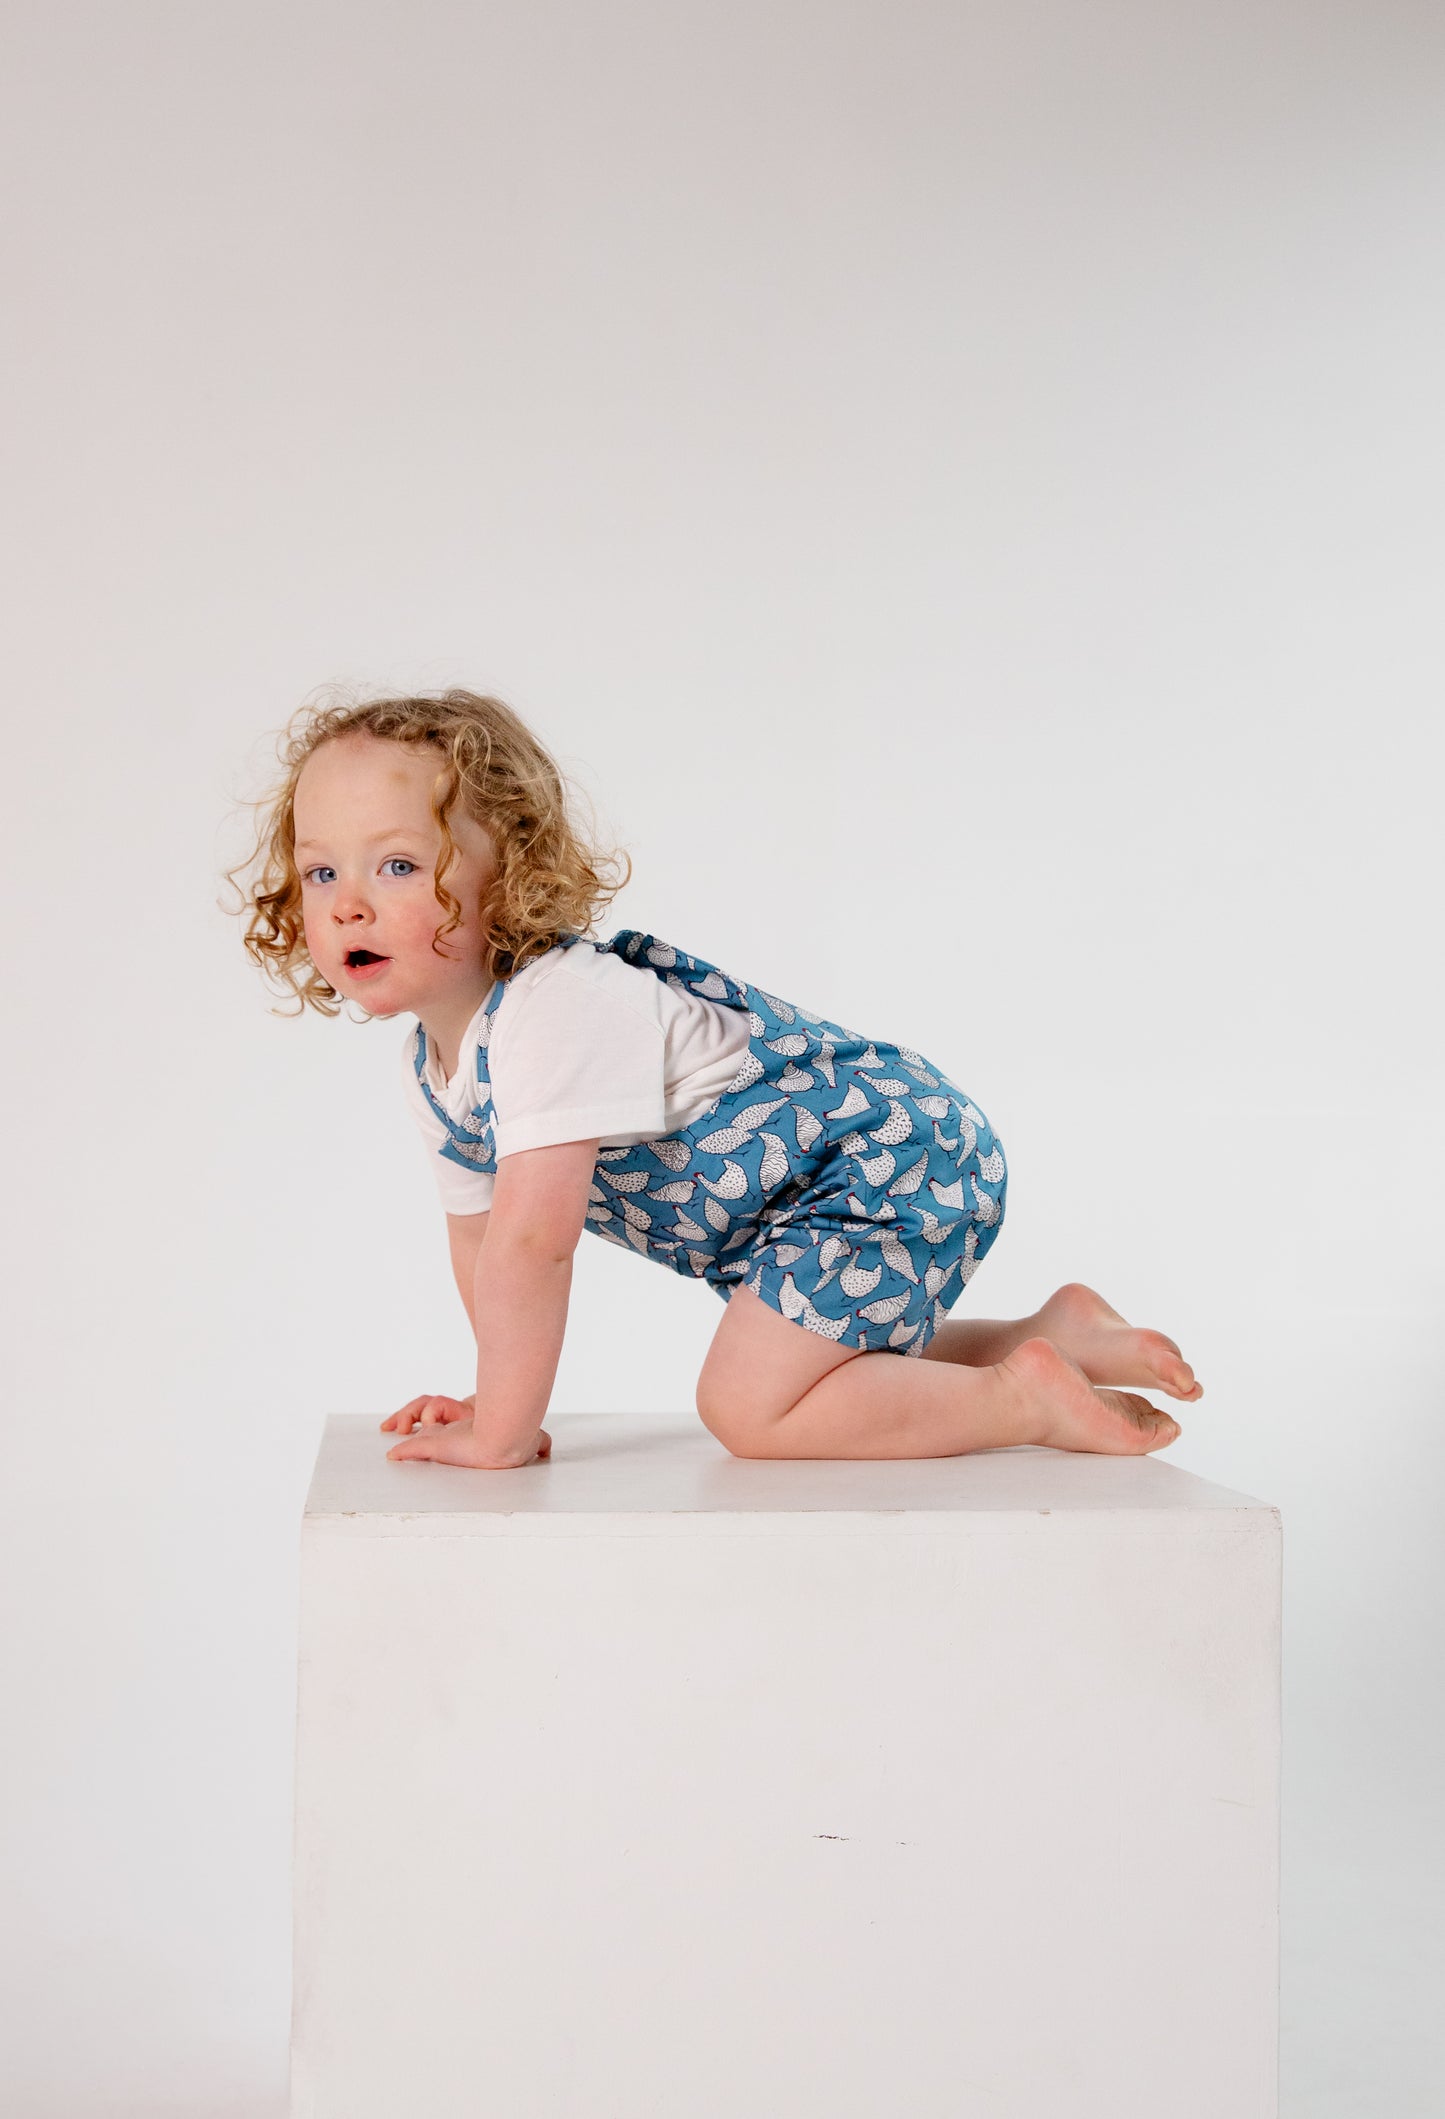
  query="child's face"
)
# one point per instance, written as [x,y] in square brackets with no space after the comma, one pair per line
[366,849]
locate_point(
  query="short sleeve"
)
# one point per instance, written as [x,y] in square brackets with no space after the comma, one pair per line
[460,1191]
[581,1055]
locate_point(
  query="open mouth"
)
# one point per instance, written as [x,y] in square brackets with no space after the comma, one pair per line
[364,960]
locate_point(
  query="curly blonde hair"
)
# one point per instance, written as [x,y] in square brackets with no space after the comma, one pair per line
[550,879]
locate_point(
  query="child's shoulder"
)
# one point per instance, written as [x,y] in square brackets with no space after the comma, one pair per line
[583,978]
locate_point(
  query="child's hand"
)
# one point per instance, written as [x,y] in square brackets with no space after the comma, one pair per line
[453,1442]
[427,1410]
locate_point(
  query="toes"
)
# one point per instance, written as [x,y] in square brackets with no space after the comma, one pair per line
[1173,1371]
[1130,1426]
[1156,1428]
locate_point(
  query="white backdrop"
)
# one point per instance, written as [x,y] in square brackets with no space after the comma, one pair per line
[958,486]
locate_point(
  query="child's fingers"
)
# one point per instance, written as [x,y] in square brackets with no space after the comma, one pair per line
[420,1444]
[429,1408]
[405,1413]
[434,1443]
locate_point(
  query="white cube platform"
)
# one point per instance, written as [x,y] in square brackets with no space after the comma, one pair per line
[650,1783]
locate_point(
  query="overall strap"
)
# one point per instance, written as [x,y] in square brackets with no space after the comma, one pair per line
[470,1139]
[678,968]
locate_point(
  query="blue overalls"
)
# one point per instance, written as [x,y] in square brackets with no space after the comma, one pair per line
[844,1179]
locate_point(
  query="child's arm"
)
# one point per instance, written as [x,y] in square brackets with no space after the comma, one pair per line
[465,1233]
[520,1290]
[521,1281]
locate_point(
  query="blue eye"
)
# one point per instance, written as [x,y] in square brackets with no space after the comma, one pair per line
[323,870]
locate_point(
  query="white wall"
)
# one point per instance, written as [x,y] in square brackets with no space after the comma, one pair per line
[959,487]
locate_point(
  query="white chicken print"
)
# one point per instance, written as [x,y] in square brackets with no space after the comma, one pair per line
[896,1254]
[936,1279]
[909,1179]
[797,1306]
[781,1009]
[887,1310]
[986,1206]
[727,1139]
[853,1102]
[808,1128]
[896,1127]
[918,1066]
[865,1212]
[672,1154]
[774,1166]
[733,1183]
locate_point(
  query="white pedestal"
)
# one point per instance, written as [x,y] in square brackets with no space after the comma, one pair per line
[651,1783]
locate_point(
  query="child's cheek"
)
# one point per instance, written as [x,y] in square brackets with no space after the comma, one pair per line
[420,931]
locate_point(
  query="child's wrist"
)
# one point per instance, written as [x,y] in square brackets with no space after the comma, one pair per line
[498,1460]
[497,1445]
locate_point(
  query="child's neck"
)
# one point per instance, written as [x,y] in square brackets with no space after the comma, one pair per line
[446,1022]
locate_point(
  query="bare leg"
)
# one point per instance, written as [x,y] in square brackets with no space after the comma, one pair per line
[771,1389]
[1082,1326]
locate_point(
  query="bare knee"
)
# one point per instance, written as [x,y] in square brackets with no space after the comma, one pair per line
[759,1367]
[743,1433]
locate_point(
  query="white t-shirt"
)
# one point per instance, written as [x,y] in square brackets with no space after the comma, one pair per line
[583,1043]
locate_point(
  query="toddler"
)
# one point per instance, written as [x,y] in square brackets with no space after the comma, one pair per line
[835,1190]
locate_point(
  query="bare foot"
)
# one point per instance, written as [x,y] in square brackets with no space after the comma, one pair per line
[1110,1350]
[1063,1410]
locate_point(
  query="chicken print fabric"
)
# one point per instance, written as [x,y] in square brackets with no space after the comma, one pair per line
[846,1180]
